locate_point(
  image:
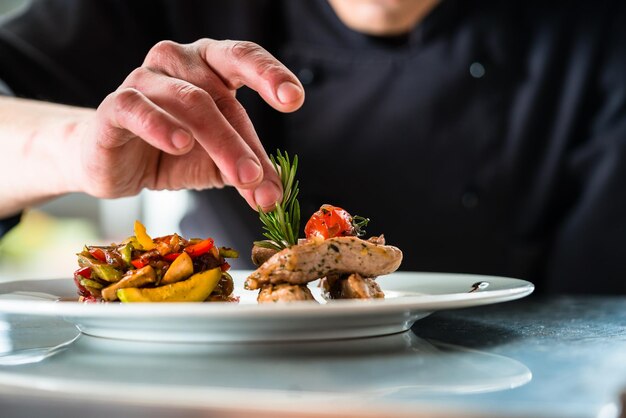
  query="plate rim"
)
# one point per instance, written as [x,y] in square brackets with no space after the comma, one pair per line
[519,288]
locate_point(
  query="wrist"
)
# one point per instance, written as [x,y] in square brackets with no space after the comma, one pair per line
[72,132]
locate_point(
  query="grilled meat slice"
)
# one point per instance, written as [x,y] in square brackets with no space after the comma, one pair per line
[284,292]
[352,286]
[314,259]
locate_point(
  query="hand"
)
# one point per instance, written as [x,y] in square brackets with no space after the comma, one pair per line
[175,123]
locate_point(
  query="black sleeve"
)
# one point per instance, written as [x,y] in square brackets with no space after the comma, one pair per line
[589,254]
[7,224]
[76,51]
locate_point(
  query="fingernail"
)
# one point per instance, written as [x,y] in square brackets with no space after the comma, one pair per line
[267,194]
[248,170]
[288,92]
[181,139]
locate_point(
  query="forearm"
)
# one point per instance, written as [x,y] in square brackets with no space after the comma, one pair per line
[39,148]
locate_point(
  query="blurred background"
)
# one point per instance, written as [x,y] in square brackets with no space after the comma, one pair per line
[45,243]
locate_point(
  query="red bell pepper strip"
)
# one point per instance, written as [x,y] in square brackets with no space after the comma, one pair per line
[98,254]
[171,256]
[139,263]
[200,248]
[82,272]
[85,272]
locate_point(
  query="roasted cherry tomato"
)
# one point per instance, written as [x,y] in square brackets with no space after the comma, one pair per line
[328,222]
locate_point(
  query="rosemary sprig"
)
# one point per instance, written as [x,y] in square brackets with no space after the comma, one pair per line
[359,223]
[282,225]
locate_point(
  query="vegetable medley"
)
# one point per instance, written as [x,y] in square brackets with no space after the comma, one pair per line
[164,269]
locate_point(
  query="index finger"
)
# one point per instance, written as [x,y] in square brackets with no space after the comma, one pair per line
[240,63]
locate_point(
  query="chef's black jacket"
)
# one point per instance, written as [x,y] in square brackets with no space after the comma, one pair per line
[491,139]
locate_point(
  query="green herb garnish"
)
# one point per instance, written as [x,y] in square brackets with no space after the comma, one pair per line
[282,225]
[359,223]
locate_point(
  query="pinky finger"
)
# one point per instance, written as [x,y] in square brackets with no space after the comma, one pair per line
[131,111]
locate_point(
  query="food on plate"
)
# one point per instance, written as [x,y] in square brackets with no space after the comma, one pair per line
[315,258]
[284,292]
[352,286]
[332,251]
[164,269]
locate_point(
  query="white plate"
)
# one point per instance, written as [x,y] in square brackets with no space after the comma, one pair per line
[409,297]
[370,377]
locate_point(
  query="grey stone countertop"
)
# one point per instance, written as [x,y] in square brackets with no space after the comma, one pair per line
[575,348]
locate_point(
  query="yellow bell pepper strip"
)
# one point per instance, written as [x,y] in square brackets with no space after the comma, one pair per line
[142,237]
[197,288]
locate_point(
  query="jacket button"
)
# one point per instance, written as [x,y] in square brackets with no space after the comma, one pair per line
[477,70]
[306,76]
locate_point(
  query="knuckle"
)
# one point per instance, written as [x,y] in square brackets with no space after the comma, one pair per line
[232,110]
[162,52]
[191,96]
[264,63]
[267,67]
[165,47]
[150,121]
[132,110]
[126,100]
[136,75]
[244,49]
[227,137]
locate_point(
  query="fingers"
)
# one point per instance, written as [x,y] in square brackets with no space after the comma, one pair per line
[241,63]
[185,94]
[236,63]
[189,63]
[237,152]
[131,111]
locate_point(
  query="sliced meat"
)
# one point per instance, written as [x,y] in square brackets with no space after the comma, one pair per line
[353,286]
[314,259]
[380,240]
[284,292]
